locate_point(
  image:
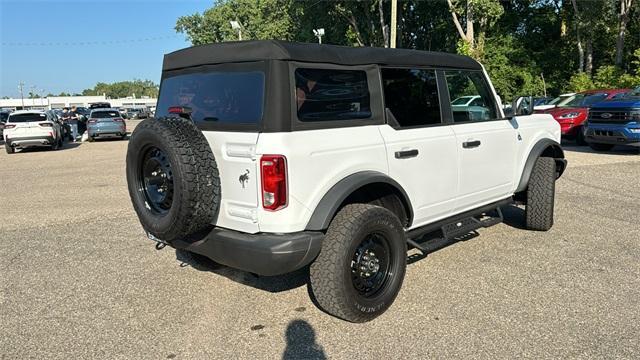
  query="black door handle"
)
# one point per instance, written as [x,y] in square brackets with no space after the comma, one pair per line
[471,144]
[406,154]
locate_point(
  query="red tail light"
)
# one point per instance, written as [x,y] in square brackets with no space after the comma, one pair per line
[46,124]
[92,121]
[9,126]
[180,110]
[118,120]
[273,170]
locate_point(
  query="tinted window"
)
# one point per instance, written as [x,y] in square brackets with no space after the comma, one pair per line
[105,114]
[412,96]
[20,118]
[585,99]
[216,97]
[4,116]
[323,94]
[619,95]
[470,83]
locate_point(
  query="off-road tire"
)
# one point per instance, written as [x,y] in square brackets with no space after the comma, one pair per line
[601,147]
[9,149]
[196,182]
[541,194]
[330,274]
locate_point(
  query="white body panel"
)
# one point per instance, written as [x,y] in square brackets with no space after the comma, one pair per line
[430,178]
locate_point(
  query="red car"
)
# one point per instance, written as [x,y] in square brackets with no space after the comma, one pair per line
[572,114]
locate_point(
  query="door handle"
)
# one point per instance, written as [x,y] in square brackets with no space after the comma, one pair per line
[405,154]
[471,144]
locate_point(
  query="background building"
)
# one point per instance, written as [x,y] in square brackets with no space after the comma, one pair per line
[58,102]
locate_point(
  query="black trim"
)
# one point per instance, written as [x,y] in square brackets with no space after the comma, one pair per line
[538,149]
[263,253]
[429,228]
[330,203]
[406,154]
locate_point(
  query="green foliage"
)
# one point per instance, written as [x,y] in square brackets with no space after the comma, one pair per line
[124,88]
[517,41]
[580,82]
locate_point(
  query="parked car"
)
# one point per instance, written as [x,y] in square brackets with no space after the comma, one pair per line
[4,115]
[106,123]
[572,113]
[614,122]
[559,101]
[138,113]
[99,105]
[27,128]
[469,108]
[285,154]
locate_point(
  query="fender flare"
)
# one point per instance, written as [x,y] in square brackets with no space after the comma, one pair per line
[545,147]
[331,201]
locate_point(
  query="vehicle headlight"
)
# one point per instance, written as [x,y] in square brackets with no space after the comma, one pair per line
[635,131]
[570,115]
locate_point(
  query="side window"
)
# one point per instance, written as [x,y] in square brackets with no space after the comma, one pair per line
[328,94]
[412,96]
[470,84]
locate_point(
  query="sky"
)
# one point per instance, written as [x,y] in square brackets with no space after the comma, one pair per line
[54,46]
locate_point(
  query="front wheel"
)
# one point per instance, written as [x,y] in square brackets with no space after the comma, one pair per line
[9,149]
[541,195]
[361,266]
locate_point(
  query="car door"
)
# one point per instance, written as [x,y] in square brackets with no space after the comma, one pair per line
[421,149]
[486,144]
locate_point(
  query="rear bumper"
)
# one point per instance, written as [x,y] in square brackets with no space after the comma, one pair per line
[613,134]
[263,254]
[106,131]
[30,141]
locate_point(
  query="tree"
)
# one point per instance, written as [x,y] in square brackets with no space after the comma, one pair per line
[123,89]
[623,20]
[477,16]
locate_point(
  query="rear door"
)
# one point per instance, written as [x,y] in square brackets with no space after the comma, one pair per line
[226,103]
[486,144]
[421,149]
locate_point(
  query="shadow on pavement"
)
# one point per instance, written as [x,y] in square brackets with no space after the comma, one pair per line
[301,342]
[514,216]
[272,284]
[617,150]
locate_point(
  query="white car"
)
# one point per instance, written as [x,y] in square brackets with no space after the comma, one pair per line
[559,101]
[27,128]
[268,156]
[470,108]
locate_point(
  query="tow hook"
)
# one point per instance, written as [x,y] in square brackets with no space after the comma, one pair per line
[160,244]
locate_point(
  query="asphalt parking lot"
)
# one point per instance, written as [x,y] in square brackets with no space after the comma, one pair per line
[78,278]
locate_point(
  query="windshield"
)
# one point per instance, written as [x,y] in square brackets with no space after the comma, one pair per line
[220,97]
[29,117]
[560,99]
[461,100]
[634,92]
[105,114]
[4,116]
[585,99]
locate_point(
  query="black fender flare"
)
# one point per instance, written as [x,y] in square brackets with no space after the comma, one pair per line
[331,201]
[544,147]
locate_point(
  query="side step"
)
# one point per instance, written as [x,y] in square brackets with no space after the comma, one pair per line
[458,228]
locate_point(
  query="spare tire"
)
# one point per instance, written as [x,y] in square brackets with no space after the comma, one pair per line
[172,177]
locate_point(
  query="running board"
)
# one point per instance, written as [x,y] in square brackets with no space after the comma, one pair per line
[457,226]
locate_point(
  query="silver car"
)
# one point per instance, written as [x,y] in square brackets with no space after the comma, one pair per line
[106,123]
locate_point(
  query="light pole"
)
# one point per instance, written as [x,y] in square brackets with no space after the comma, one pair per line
[235,25]
[394,23]
[319,33]
[20,87]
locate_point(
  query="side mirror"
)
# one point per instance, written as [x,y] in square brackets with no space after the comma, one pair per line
[522,105]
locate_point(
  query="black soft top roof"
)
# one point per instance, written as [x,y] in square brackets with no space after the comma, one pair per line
[257,50]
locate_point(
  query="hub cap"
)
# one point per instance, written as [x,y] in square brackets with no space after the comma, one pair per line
[370,266]
[157,180]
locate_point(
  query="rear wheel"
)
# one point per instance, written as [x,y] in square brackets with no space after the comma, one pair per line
[541,195]
[601,147]
[172,178]
[361,266]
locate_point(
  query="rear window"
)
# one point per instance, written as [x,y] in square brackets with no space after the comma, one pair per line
[328,94]
[215,97]
[21,118]
[105,114]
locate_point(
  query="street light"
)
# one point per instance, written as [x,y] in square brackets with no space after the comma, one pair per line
[235,25]
[319,33]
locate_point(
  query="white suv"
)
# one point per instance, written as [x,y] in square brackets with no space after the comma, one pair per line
[26,128]
[268,156]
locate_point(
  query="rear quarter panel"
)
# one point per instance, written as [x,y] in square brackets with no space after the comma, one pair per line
[317,160]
